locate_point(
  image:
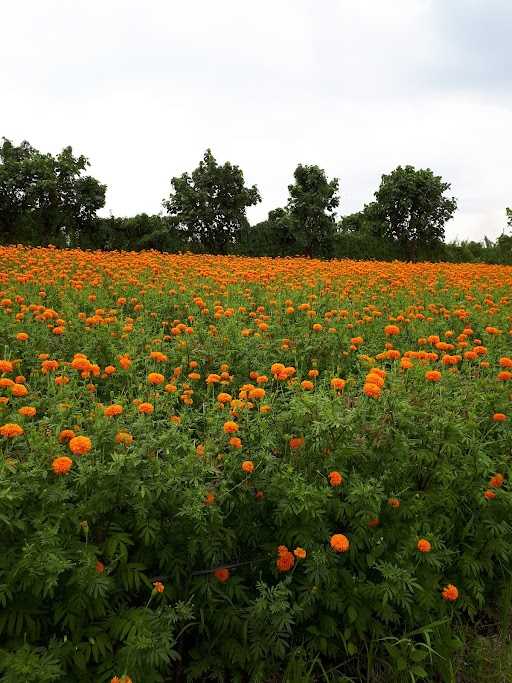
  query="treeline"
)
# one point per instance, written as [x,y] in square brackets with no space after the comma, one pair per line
[47,199]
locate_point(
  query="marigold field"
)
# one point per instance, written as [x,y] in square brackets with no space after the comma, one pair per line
[235,469]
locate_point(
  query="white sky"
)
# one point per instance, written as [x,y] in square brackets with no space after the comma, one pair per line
[358,87]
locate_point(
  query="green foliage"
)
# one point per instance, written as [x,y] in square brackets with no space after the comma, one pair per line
[411,209]
[46,199]
[209,205]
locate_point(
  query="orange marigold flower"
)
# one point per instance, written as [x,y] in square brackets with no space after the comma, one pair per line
[394,502]
[222,574]
[339,543]
[296,442]
[248,466]
[114,409]
[504,376]
[390,330]
[337,383]
[257,393]
[230,427]
[145,408]
[300,553]
[433,375]
[156,378]
[374,522]
[489,495]
[66,435]
[505,362]
[158,587]
[62,465]
[335,479]
[6,366]
[450,593]
[10,430]
[22,336]
[285,560]
[100,567]
[499,417]
[317,327]
[372,390]
[124,437]
[235,442]
[497,480]
[307,385]
[79,445]
[27,411]
[224,398]
[424,546]
[210,498]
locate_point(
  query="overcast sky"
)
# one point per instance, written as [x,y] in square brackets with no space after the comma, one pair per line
[355,86]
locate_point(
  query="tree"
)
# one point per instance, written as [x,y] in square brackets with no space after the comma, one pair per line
[46,199]
[411,208]
[209,205]
[313,200]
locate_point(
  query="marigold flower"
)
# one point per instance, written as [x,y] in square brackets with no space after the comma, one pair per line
[285,560]
[66,435]
[433,375]
[394,502]
[337,383]
[489,495]
[22,336]
[372,390]
[114,409]
[424,546]
[499,417]
[450,593]
[27,411]
[79,445]
[248,466]
[300,553]
[497,480]
[158,587]
[307,385]
[156,378]
[257,393]
[10,430]
[224,398]
[391,330]
[62,465]
[335,479]
[6,366]
[222,574]
[145,408]
[230,427]
[100,567]
[374,522]
[339,543]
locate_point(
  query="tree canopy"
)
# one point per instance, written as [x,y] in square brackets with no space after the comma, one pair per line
[46,199]
[411,208]
[209,205]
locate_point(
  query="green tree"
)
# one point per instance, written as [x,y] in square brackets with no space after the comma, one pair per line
[46,199]
[208,206]
[411,209]
[311,207]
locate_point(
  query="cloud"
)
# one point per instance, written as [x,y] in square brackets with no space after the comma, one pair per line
[356,86]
